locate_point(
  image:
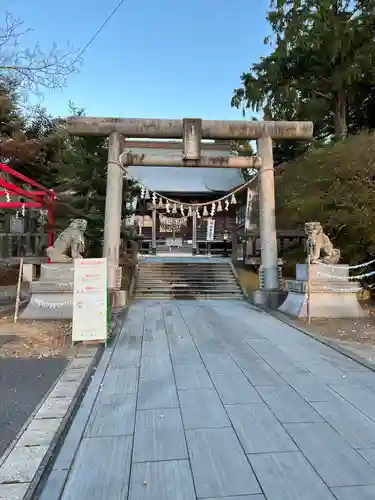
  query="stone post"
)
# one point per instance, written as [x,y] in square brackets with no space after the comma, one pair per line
[267,217]
[153,238]
[113,207]
[194,235]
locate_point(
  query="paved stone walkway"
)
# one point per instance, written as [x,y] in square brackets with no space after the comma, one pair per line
[215,400]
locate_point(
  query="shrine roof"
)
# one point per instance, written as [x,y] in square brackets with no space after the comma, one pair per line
[184,179]
[187,179]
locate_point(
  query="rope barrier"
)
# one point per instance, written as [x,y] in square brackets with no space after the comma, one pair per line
[67,269]
[51,305]
[196,206]
[145,193]
[357,266]
[345,278]
[343,290]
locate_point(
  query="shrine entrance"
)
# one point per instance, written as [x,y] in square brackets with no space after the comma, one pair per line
[170,199]
[175,230]
[192,131]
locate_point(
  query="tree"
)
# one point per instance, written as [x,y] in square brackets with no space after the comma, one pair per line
[83,173]
[75,167]
[29,144]
[361,112]
[31,68]
[322,50]
[242,147]
[334,185]
[10,119]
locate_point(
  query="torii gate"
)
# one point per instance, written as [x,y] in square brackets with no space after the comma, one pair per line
[191,131]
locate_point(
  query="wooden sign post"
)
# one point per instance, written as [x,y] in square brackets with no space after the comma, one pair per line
[90,301]
[210,236]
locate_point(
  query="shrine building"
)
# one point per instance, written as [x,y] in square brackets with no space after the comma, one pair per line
[199,223]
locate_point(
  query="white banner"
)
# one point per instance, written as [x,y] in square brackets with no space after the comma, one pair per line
[90,307]
[210,230]
[248,209]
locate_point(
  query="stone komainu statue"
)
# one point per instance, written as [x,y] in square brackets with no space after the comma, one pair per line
[318,245]
[70,244]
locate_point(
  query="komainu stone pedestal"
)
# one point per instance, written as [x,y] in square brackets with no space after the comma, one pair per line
[52,295]
[330,297]
[8,294]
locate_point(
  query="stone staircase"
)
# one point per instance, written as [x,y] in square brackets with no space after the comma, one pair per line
[186,279]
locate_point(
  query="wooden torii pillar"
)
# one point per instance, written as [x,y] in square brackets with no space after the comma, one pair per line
[192,131]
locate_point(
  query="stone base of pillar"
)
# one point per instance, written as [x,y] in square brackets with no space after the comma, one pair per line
[194,251]
[153,251]
[120,298]
[112,275]
[268,299]
[28,272]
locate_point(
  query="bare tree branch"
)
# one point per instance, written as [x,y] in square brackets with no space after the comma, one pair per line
[32,68]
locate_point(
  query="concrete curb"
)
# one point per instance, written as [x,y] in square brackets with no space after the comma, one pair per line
[52,479]
[25,461]
[19,485]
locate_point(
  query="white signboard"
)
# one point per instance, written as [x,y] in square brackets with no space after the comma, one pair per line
[210,230]
[248,209]
[90,306]
[177,242]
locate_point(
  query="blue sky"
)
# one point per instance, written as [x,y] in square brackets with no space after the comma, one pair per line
[155,58]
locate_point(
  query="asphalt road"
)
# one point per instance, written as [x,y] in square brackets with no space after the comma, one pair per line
[23,383]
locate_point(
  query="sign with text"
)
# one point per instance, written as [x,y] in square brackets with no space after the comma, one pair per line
[176,242]
[210,230]
[90,300]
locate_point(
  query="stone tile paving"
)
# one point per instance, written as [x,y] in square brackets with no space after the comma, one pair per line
[216,400]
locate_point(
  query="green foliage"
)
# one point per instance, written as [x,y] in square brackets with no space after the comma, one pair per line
[29,144]
[321,68]
[75,167]
[323,52]
[242,147]
[83,173]
[336,186]
[10,119]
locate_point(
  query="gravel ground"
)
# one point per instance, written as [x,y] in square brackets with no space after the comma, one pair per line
[23,383]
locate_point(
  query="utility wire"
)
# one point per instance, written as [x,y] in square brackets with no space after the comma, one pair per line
[99,31]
